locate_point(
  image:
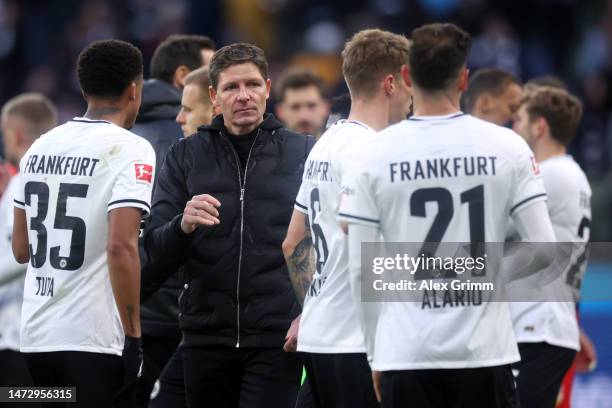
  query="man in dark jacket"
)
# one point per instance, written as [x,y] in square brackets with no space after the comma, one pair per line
[222,205]
[172,61]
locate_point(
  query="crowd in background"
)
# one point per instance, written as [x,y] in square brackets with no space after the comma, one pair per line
[572,39]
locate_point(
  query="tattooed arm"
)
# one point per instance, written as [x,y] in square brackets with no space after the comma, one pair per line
[299,254]
[124,266]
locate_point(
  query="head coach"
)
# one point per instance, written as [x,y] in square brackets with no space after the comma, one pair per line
[222,206]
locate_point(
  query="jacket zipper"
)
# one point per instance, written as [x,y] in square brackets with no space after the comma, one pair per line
[242,185]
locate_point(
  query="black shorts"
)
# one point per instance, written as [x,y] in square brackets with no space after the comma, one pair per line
[540,373]
[305,398]
[97,377]
[340,380]
[14,372]
[483,387]
[170,390]
[157,353]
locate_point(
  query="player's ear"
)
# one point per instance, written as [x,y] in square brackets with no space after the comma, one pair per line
[179,75]
[389,84]
[212,92]
[268,87]
[463,79]
[132,91]
[483,103]
[541,127]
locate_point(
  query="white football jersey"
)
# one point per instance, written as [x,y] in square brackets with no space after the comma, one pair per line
[72,177]
[553,320]
[12,274]
[329,321]
[451,179]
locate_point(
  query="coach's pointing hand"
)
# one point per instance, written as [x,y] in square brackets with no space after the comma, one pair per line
[200,210]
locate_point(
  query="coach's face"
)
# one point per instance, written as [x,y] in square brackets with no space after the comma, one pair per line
[241,94]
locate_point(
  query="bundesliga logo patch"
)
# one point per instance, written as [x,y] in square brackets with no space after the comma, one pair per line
[144,172]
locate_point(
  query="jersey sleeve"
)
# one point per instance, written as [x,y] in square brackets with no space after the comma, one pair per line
[134,182]
[301,201]
[357,201]
[529,186]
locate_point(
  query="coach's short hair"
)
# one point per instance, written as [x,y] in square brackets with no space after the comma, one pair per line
[200,78]
[369,56]
[298,78]
[177,50]
[235,54]
[561,110]
[492,81]
[438,53]
[36,111]
[106,68]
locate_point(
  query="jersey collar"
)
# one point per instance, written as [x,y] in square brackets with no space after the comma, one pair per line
[86,120]
[356,122]
[442,117]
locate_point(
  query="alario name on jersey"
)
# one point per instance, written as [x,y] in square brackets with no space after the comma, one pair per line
[442,167]
[60,165]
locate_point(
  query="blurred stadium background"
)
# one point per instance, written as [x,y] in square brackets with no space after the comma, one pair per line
[40,40]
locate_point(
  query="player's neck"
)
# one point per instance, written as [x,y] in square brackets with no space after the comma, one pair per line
[548,151]
[106,112]
[437,104]
[371,113]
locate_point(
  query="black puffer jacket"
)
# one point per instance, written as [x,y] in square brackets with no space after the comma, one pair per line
[237,290]
[161,103]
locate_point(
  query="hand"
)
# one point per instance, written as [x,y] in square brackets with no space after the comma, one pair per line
[292,336]
[132,357]
[586,359]
[200,210]
[376,376]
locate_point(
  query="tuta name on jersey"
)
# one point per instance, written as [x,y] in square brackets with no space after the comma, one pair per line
[439,168]
[45,286]
[61,165]
[318,170]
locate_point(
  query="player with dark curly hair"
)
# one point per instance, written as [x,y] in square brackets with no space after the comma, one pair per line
[84,188]
[106,69]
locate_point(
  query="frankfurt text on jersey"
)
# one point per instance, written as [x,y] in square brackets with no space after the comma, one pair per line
[60,165]
[439,168]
